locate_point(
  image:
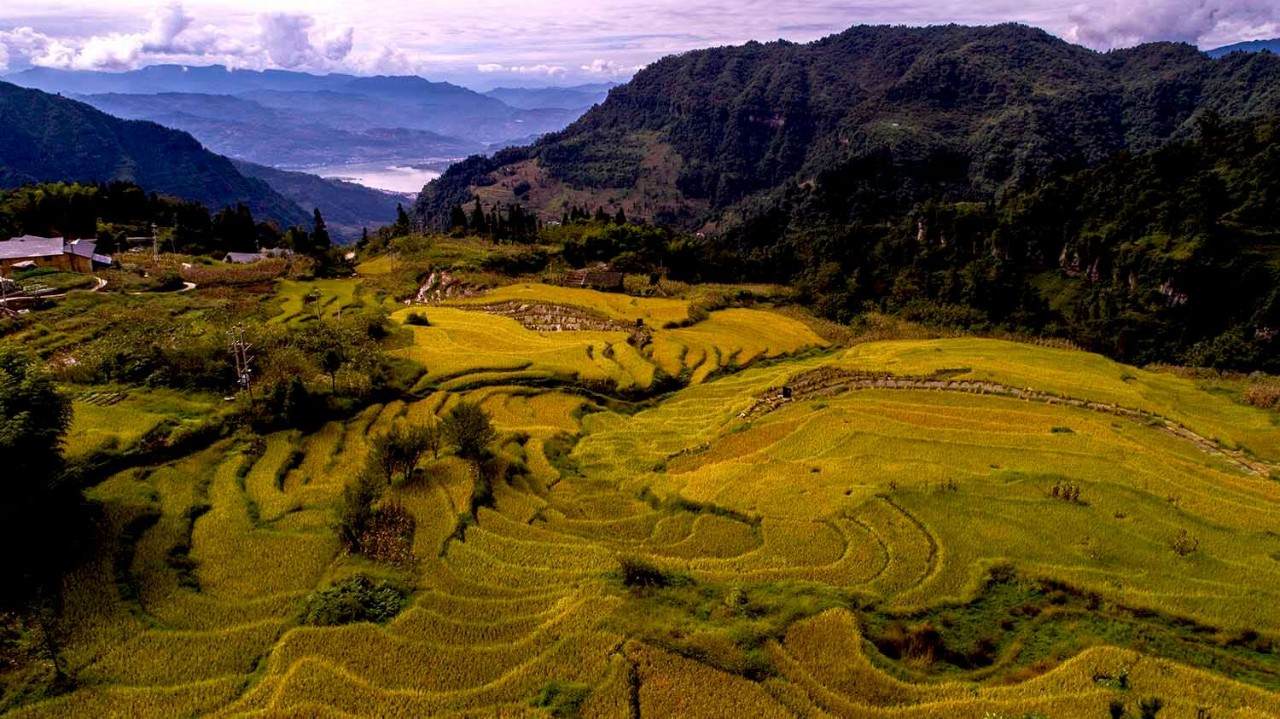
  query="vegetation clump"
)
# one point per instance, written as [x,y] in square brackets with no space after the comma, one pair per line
[359,598]
[470,429]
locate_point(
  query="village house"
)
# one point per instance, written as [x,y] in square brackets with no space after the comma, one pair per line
[246,258]
[53,252]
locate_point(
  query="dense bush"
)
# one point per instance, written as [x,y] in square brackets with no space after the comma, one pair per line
[356,599]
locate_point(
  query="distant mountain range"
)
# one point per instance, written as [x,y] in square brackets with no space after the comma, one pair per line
[47,138]
[578,97]
[337,111]
[281,136]
[1272,46]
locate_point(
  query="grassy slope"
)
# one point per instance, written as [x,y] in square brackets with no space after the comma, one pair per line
[894,500]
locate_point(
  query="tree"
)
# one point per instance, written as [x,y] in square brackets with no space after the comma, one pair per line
[620,218]
[434,439]
[41,516]
[470,429]
[331,361]
[479,225]
[320,240]
[357,512]
[457,219]
[402,226]
[395,453]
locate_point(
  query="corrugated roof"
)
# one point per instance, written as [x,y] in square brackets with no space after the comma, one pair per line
[28,246]
[83,248]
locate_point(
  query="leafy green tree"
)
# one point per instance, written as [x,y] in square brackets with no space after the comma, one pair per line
[357,513]
[331,361]
[469,428]
[395,453]
[41,516]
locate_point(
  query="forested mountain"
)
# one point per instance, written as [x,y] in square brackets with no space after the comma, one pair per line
[981,177]
[348,208]
[1272,46]
[52,139]
[577,97]
[901,113]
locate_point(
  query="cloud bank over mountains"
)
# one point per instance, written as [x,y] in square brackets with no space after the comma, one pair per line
[555,42]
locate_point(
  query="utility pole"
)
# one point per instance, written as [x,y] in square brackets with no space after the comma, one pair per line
[240,354]
[155,241]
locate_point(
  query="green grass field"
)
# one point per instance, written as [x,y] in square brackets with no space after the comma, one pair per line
[864,553]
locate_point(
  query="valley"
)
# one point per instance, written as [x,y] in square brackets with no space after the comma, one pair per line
[890,371]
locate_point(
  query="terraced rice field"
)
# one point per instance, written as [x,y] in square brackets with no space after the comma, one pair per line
[302,302]
[465,347]
[785,547]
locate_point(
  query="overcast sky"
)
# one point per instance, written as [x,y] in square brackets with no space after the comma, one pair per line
[483,43]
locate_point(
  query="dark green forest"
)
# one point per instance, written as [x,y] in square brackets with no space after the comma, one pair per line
[48,138]
[994,179]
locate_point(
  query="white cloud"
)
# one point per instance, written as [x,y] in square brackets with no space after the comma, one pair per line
[1123,23]
[281,40]
[490,68]
[609,68]
[554,41]
[167,23]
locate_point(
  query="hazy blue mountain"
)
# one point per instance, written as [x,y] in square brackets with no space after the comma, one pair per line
[47,138]
[1250,46]
[578,97]
[281,137]
[345,102]
[213,79]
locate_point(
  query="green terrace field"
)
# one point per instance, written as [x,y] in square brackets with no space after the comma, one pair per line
[720,517]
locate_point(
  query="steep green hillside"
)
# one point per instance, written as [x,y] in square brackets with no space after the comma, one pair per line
[963,112]
[348,208]
[48,138]
[981,177]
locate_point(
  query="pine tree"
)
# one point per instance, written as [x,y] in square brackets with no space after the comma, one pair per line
[620,218]
[479,225]
[457,218]
[402,226]
[320,240]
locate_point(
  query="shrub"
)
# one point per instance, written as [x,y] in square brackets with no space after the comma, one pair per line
[639,573]
[562,699]
[1149,708]
[470,429]
[1184,543]
[356,599]
[417,319]
[389,535]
